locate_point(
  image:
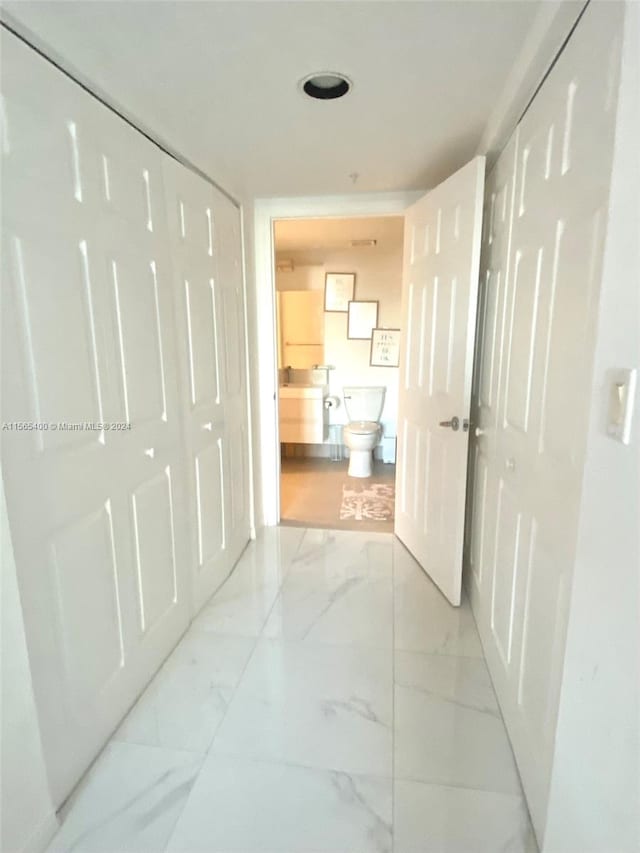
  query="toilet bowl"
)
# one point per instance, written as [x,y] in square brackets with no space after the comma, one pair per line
[362,433]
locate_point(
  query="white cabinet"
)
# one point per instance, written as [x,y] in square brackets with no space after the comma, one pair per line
[303,416]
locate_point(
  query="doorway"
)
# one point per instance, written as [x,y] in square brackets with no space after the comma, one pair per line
[338,293]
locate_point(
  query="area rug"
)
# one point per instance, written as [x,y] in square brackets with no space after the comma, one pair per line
[368,503]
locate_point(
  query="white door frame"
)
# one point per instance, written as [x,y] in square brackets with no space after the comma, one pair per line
[266,212]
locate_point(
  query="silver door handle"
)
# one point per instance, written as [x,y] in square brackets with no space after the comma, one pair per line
[208,426]
[454,423]
[480,432]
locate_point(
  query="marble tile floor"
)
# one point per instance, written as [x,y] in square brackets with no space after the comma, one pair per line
[328,700]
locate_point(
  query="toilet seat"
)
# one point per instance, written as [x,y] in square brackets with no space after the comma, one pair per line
[363,427]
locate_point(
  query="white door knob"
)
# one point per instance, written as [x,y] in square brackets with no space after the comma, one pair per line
[479,432]
[208,426]
[510,464]
[150,452]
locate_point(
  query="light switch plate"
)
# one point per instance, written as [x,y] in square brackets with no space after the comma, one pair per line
[622,392]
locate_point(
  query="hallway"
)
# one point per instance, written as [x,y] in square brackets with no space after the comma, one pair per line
[327,699]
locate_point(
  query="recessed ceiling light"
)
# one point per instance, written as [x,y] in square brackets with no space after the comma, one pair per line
[326,85]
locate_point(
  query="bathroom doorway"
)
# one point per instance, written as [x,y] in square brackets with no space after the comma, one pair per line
[338,307]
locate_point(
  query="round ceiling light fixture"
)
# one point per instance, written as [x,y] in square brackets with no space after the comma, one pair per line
[326,85]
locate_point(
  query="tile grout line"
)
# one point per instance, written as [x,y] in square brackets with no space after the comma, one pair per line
[432,783]
[313,768]
[256,640]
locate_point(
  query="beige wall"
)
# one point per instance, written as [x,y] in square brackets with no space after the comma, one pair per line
[304,276]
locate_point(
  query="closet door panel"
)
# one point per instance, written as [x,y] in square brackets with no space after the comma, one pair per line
[210,316]
[524,519]
[136,298]
[153,527]
[228,247]
[89,359]
[87,604]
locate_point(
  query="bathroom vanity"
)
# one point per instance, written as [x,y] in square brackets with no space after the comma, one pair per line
[304,419]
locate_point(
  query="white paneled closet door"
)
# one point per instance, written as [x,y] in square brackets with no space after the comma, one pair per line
[97,513]
[206,248]
[541,276]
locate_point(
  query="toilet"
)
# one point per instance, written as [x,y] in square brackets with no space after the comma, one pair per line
[362,433]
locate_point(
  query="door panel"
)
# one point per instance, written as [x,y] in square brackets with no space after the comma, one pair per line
[57,332]
[153,525]
[87,604]
[137,304]
[521,339]
[210,503]
[546,253]
[202,342]
[442,249]
[508,551]
[232,314]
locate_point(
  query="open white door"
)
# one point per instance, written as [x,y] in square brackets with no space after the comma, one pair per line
[440,287]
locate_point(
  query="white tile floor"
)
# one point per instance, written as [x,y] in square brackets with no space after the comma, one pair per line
[328,699]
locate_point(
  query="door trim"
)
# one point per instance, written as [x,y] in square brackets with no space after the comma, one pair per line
[264,363]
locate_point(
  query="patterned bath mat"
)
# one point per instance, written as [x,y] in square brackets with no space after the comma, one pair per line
[369,503]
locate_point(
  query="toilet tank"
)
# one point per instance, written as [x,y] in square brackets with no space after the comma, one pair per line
[364,403]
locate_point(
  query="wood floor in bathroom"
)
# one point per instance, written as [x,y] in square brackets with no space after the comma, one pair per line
[313,492]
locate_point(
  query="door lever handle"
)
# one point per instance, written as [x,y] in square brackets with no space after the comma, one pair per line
[454,423]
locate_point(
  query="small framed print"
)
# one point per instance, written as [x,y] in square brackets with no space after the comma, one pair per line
[362,320]
[339,291]
[385,348]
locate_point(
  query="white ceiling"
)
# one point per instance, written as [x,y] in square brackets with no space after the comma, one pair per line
[302,235]
[218,81]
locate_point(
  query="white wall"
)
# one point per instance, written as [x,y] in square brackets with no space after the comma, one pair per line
[594,803]
[26,811]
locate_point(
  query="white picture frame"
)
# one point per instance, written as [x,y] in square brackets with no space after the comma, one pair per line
[385,348]
[339,290]
[362,320]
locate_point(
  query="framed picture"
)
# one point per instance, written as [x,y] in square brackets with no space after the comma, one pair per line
[362,320]
[339,290]
[385,348]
